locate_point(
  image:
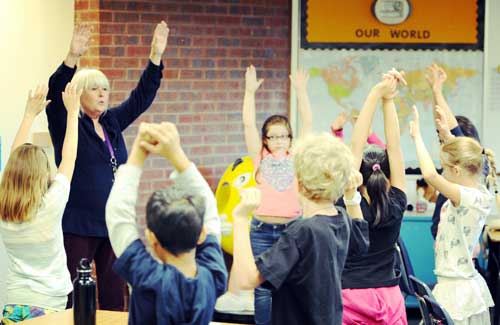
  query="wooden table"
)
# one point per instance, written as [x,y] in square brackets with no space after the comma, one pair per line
[103,317]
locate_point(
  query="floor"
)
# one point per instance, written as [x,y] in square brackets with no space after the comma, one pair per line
[413,316]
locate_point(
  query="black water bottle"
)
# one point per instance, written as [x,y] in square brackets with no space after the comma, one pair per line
[84,295]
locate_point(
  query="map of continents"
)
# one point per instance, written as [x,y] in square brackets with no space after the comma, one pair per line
[340,81]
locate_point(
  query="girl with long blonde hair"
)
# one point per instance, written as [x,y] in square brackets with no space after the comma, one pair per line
[460,289]
[31,209]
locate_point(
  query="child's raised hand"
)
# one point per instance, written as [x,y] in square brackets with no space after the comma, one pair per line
[399,75]
[36,100]
[249,201]
[355,181]
[415,124]
[299,80]
[442,124]
[251,82]
[143,135]
[436,77]
[71,98]
[162,139]
[340,121]
[388,87]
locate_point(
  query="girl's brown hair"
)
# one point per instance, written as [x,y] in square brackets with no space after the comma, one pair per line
[273,120]
[24,183]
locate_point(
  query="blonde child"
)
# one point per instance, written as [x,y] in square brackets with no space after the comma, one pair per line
[370,287]
[303,268]
[31,209]
[460,289]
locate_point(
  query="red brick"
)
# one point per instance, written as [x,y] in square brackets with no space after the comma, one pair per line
[191,140]
[123,85]
[88,15]
[105,40]
[200,150]
[191,8]
[214,96]
[113,5]
[105,16]
[122,40]
[138,51]
[190,96]
[129,63]
[108,28]
[203,20]
[178,107]
[153,18]
[216,9]
[117,97]
[113,74]
[165,7]
[204,42]
[189,118]
[167,96]
[228,20]
[203,107]
[153,174]
[171,74]
[125,17]
[178,85]
[135,29]
[81,5]
[203,85]
[214,139]
[159,118]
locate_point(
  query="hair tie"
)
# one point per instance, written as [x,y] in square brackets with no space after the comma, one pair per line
[375,167]
[483,152]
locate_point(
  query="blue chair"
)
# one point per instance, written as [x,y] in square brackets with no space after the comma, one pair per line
[421,290]
[437,313]
[403,268]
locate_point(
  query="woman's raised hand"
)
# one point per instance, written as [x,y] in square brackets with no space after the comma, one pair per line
[80,40]
[159,42]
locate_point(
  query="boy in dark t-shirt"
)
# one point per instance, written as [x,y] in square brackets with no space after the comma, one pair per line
[181,283]
[304,267]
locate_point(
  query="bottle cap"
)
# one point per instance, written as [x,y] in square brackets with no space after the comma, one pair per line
[84,266]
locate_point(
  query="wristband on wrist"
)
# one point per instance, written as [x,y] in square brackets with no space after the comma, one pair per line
[356,200]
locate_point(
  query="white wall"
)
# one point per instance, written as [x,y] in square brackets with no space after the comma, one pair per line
[35,35]
[491,107]
[491,111]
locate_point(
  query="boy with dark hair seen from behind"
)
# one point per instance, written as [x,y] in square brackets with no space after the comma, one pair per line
[183,231]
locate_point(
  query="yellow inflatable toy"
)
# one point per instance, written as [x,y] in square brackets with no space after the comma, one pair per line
[240,174]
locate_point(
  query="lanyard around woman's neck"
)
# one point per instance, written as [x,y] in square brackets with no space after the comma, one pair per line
[114,164]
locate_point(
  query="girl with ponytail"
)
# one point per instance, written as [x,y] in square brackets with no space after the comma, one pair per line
[370,286]
[463,216]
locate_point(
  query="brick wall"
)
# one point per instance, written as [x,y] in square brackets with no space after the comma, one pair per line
[211,43]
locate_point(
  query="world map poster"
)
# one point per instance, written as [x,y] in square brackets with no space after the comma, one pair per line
[340,80]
